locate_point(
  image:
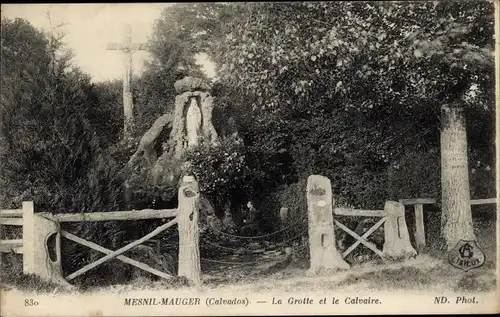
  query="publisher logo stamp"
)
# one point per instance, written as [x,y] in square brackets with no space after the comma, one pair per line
[466,255]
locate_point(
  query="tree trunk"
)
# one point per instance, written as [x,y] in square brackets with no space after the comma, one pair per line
[456,218]
[146,148]
[189,234]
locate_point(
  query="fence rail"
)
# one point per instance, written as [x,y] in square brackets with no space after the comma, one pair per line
[11,213]
[14,217]
[430,201]
[11,221]
[483,201]
[14,245]
[414,201]
[112,215]
[358,212]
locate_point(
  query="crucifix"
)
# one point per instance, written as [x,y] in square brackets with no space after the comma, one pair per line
[128,48]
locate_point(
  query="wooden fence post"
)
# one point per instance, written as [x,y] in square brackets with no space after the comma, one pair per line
[28,239]
[189,234]
[397,243]
[41,246]
[322,246]
[419,226]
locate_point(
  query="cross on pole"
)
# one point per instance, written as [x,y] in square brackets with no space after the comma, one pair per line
[128,48]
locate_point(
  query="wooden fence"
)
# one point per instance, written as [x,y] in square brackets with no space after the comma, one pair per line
[397,244]
[418,207]
[41,242]
[382,214]
[322,241]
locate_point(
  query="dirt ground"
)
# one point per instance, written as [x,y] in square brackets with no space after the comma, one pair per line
[424,273]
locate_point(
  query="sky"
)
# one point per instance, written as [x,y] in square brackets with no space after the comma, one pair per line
[88,29]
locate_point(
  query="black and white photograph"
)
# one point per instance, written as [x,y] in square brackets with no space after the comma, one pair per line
[249,158]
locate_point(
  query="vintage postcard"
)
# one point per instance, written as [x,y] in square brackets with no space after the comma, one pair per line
[249,158]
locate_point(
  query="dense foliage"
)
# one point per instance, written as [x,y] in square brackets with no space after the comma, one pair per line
[220,169]
[52,127]
[351,97]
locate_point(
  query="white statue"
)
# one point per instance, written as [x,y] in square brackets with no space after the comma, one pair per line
[193,123]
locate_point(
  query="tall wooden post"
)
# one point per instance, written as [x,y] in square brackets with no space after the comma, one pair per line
[189,233]
[397,243]
[128,104]
[322,246]
[29,265]
[41,246]
[419,226]
[128,48]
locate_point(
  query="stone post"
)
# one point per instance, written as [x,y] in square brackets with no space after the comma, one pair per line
[397,243]
[41,246]
[323,250]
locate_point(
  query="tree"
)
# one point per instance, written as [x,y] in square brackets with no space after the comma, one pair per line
[54,126]
[51,126]
[170,46]
[468,47]
[105,114]
[391,63]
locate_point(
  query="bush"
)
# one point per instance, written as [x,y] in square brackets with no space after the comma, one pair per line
[362,186]
[51,126]
[416,175]
[482,180]
[222,174]
[221,169]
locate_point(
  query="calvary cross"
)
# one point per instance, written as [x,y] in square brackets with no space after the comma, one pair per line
[128,48]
